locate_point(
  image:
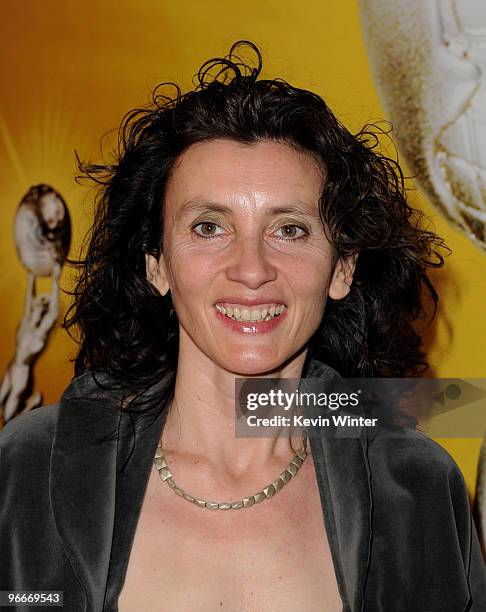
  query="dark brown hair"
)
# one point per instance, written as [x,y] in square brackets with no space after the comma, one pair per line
[130,331]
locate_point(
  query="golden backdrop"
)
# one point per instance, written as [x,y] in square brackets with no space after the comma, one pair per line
[70,70]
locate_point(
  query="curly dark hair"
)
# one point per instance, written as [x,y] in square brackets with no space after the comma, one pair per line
[126,328]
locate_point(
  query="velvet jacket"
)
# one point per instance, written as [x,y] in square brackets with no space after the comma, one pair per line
[395,509]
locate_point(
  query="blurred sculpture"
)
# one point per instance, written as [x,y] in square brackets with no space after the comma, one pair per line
[480,499]
[42,231]
[428,58]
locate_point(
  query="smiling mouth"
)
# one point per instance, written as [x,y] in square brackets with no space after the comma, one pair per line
[250,315]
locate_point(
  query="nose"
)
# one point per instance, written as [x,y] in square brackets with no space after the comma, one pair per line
[249,263]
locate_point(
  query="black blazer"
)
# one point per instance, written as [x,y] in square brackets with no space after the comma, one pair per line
[395,509]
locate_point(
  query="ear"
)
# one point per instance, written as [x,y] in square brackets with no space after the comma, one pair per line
[342,277]
[156,272]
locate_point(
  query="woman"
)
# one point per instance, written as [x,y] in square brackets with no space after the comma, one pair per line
[242,232]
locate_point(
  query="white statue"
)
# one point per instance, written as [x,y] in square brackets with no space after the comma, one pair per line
[42,233]
[40,314]
[428,59]
[42,230]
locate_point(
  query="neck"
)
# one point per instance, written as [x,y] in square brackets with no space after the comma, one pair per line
[201,419]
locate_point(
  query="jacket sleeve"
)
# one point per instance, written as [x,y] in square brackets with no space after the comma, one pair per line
[425,549]
[29,548]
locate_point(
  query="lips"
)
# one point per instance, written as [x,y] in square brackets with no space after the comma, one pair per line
[243,318]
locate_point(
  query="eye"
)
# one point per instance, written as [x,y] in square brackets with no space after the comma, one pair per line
[207,229]
[292,232]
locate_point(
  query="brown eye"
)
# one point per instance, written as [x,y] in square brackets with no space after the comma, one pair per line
[207,229]
[291,232]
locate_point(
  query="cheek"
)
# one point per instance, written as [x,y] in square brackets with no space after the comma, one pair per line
[190,273]
[310,276]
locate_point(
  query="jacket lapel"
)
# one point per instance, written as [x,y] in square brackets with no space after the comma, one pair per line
[343,478]
[137,443]
[83,478]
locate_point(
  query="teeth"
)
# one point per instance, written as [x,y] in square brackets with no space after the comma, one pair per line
[256,314]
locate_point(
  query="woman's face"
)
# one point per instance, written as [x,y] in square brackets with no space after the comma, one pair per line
[245,255]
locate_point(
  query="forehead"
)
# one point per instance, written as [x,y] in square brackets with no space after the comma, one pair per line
[230,172]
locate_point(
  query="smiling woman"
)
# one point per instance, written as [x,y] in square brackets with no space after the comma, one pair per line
[242,231]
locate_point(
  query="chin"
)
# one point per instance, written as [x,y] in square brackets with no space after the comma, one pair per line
[252,364]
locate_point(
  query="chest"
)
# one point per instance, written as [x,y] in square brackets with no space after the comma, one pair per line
[273,556]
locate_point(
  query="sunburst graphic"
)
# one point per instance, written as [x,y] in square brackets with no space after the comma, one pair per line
[39,150]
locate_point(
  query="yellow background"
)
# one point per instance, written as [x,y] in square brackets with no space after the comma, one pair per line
[69,70]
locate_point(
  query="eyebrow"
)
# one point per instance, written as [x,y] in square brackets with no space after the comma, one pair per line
[199,205]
